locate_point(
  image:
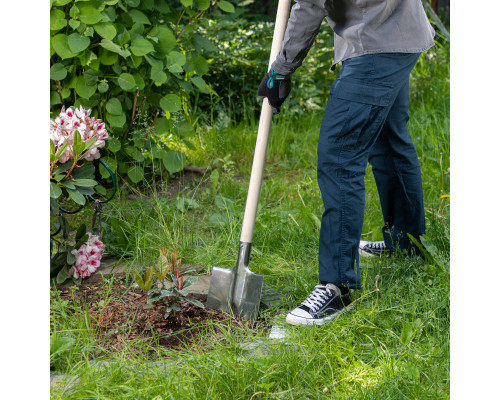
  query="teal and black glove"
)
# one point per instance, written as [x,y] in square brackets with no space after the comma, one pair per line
[276,88]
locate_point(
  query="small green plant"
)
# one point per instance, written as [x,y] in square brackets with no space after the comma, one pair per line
[59,345]
[172,286]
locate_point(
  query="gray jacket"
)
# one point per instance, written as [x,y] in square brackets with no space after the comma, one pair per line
[360,27]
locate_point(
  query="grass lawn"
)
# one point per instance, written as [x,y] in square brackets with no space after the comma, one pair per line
[394,345]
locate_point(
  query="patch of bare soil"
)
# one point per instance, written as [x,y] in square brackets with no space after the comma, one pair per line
[119,317]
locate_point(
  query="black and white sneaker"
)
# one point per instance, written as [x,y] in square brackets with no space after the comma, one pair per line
[369,249]
[323,304]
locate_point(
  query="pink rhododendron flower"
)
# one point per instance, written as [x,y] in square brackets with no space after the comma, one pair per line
[88,257]
[63,127]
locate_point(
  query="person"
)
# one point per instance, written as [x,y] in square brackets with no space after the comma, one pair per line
[378,43]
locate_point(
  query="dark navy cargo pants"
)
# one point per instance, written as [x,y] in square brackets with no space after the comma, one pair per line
[365,121]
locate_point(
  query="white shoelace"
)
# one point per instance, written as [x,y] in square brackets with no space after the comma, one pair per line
[317,298]
[376,245]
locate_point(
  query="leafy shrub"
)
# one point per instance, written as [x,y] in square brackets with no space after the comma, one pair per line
[133,59]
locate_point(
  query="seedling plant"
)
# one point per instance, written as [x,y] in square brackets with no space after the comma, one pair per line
[171,288]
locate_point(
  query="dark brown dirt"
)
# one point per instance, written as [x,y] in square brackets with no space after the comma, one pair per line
[118,316]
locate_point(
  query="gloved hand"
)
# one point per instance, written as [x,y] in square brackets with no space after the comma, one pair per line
[276,88]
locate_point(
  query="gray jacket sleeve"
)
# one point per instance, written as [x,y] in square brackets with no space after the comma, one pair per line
[303,27]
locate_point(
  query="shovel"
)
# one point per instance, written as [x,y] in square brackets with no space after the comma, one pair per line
[239,290]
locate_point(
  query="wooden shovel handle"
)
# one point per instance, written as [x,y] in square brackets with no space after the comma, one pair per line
[266,114]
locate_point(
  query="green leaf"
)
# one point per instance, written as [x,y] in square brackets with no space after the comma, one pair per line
[139,17]
[78,42]
[163,125]
[70,258]
[176,58]
[147,4]
[413,372]
[79,148]
[407,334]
[60,2]
[175,69]
[426,254]
[185,203]
[74,11]
[136,174]
[214,178]
[139,281]
[77,197]
[184,129]
[116,121]
[52,151]
[107,57]
[226,6]
[58,72]
[218,220]
[85,182]
[189,281]
[57,20]
[81,231]
[100,190]
[148,278]
[174,161]
[113,106]
[429,246]
[200,84]
[223,203]
[55,190]
[81,240]
[77,137]
[197,64]
[202,4]
[62,168]
[135,153]
[139,82]
[158,75]
[91,77]
[106,30]
[166,39]
[111,46]
[171,103]
[103,86]
[68,184]
[62,275]
[60,44]
[74,23]
[54,98]
[141,47]
[194,301]
[83,89]
[204,43]
[126,82]
[65,93]
[186,3]
[114,145]
[85,190]
[86,171]
[89,15]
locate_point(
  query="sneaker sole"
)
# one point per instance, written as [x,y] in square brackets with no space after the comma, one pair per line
[363,253]
[295,320]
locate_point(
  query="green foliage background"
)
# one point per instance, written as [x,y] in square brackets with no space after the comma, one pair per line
[134,58]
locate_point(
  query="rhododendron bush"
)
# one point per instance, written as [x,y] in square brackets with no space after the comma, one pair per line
[75,141]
